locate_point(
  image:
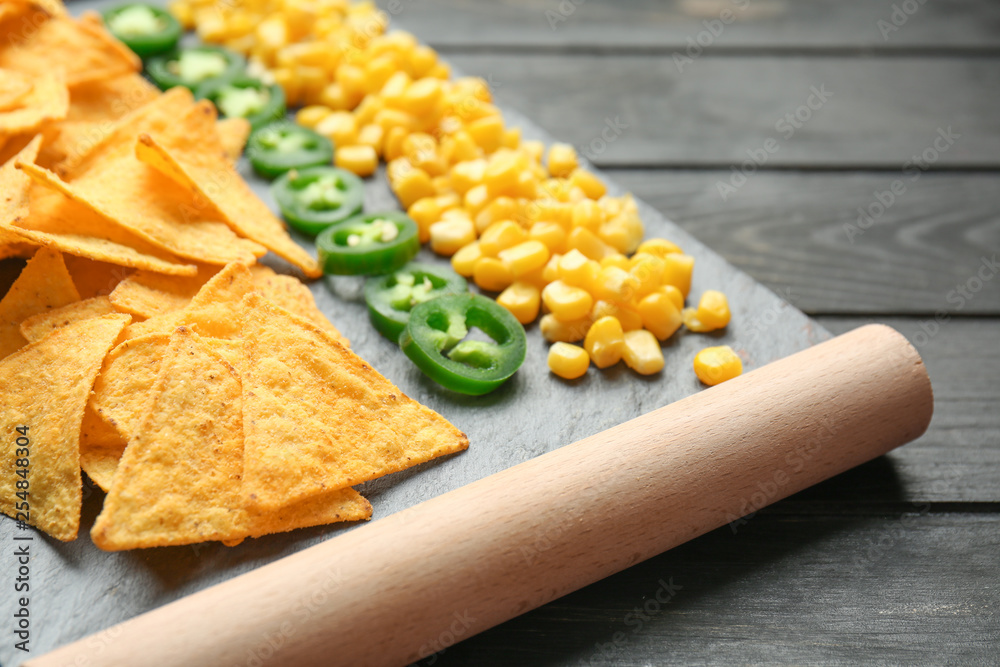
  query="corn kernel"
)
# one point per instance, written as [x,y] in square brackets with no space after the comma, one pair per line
[311,116]
[391,118]
[392,145]
[659,247]
[422,60]
[492,274]
[605,342]
[712,313]
[361,160]
[566,302]
[422,96]
[619,260]
[425,212]
[677,270]
[674,294]
[551,234]
[587,214]
[584,240]
[439,71]
[615,284]
[717,364]
[522,300]
[501,174]
[590,184]
[511,137]
[562,160]
[371,135]
[464,261]
[501,235]
[648,271]
[550,271]
[461,148]
[535,149]
[487,132]
[568,361]
[475,200]
[555,330]
[340,127]
[576,270]
[394,88]
[642,352]
[334,97]
[659,315]
[630,320]
[410,186]
[525,257]
[464,176]
[501,208]
[449,236]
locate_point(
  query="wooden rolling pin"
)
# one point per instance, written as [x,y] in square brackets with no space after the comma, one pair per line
[405,585]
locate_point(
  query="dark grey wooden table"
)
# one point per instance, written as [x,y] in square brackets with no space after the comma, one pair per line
[897,562]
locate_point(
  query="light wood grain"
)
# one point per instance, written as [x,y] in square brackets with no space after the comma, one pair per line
[471,559]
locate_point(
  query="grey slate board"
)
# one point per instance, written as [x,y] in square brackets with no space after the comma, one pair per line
[78,590]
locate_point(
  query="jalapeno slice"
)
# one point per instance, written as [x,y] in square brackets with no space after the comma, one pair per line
[368,244]
[313,199]
[146,29]
[245,97]
[433,340]
[195,67]
[281,146]
[391,297]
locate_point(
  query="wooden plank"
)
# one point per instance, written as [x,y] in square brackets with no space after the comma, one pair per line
[902,588]
[596,25]
[801,234]
[720,112]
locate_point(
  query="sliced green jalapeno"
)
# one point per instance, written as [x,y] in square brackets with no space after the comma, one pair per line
[195,67]
[146,29]
[313,199]
[391,297]
[368,244]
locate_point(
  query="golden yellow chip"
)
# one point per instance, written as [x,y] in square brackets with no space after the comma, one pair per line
[125,384]
[101,447]
[147,294]
[313,407]
[93,278]
[152,207]
[14,87]
[43,285]
[47,101]
[40,422]
[82,51]
[289,293]
[39,326]
[189,151]
[178,481]
[233,134]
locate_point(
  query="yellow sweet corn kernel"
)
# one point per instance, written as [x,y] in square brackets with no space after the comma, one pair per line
[550,271]
[491,274]
[714,365]
[555,330]
[392,145]
[588,183]
[390,118]
[587,214]
[464,176]
[659,315]
[500,236]
[422,60]
[674,294]
[334,97]
[501,174]
[487,132]
[464,261]
[605,342]
[568,361]
[562,160]
[567,302]
[340,128]
[642,352]
[285,78]
[554,211]
[551,234]
[460,147]
[619,260]
[577,270]
[659,247]
[615,284]
[394,89]
[511,137]
[312,115]
[410,186]
[648,270]
[535,149]
[352,82]
[377,72]
[449,200]
[475,200]
[371,135]
[712,313]
[677,270]
[441,185]
[522,300]
[584,240]
[450,235]
[527,184]
[422,96]
[630,320]
[439,71]
[425,212]
[623,232]
[525,257]
[501,208]
[361,160]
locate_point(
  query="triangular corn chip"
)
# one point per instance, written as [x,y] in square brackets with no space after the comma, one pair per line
[47,101]
[179,479]
[289,293]
[49,415]
[312,406]
[190,153]
[101,448]
[43,286]
[148,294]
[14,87]
[124,386]
[38,326]
[233,135]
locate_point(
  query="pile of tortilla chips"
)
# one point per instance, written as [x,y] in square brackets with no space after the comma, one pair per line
[141,342]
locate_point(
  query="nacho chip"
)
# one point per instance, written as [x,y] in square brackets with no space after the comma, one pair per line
[39,326]
[289,293]
[50,414]
[14,87]
[152,207]
[92,278]
[125,384]
[47,101]
[190,152]
[101,448]
[147,294]
[312,406]
[233,135]
[179,479]
[44,285]
[80,49]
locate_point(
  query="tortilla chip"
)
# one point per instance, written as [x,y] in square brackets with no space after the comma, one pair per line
[289,293]
[152,207]
[312,406]
[211,311]
[47,101]
[52,411]
[44,285]
[124,387]
[101,448]
[39,326]
[14,87]
[191,148]
[233,135]
[80,50]
[179,479]
[147,294]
